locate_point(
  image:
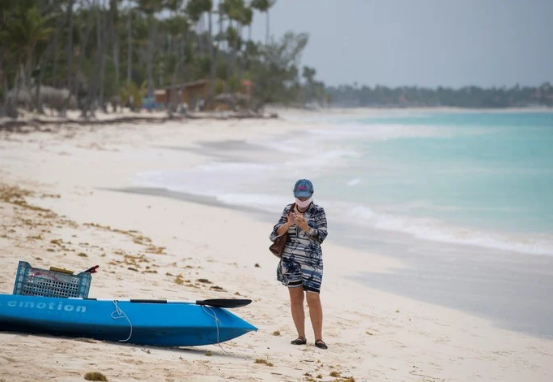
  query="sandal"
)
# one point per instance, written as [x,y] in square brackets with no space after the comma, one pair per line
[320,344]
[299,341]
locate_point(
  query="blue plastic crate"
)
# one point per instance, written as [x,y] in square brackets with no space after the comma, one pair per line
[41,282]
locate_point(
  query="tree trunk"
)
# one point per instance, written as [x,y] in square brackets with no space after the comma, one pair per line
[103,71]
[69,56]
[268,27]
[29,67]
[17,84]
[116,60]
[10,106]
[129,45]
[55,53]
[51,49]
[235,68]
[183,53]
[4,79]
[115,43]
[152,32]
[84,43]
[106,33]
[173,100]
[239,61]
[70,47]
[38,83]
[211,61]
[94,78]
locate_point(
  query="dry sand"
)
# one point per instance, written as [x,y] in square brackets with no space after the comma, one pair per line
[58,207]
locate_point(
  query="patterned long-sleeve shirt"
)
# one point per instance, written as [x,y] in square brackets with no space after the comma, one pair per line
[304,247]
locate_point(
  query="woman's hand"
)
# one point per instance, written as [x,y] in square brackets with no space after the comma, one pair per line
[300,222]
[289,223]
[291,219]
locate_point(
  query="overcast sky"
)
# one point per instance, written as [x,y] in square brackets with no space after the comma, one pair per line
[421,42]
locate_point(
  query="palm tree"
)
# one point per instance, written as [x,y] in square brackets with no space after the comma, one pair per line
[96,79]
[264,6]
[247,19]
[114,24]
[195,9]
[176,28]
[238,13]
[26,29]
[129,44]
[149,8]
[70,48]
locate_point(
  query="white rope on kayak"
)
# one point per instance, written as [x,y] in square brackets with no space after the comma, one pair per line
[121,314]
[214,316]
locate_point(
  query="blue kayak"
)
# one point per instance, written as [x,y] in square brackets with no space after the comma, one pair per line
[143,322]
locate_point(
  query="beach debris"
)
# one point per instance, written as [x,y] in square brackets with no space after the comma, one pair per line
[335,374]
[264,362]
[136,237]
[16,196]
[276,333]
[208,353]
[95,376]
[257,265]
[205,281]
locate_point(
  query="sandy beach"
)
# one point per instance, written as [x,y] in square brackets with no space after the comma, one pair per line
[62,203]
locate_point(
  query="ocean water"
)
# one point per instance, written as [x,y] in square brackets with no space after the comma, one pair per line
[463,199]
[467,178]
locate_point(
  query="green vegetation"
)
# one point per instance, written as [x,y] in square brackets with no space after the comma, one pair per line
[467,97]
[89,54]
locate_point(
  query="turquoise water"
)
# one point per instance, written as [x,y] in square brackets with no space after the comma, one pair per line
[464,199]
[479,170]
[479,179]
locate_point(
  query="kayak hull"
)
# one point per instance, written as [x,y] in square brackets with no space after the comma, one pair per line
[145,323]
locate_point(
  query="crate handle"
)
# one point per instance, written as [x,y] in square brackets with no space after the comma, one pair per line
[92,269]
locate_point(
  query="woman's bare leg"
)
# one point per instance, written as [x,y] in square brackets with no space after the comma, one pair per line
[296,305]
[316,314]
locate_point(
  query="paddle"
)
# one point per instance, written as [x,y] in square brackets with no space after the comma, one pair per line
[224,302]
[214,302]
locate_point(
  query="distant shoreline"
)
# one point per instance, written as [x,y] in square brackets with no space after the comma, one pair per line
[434,108]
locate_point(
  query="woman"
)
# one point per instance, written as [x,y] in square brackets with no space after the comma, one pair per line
[301,264]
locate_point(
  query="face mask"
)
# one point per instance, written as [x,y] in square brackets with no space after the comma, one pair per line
[303,205]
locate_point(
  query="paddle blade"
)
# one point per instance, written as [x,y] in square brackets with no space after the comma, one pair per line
[224,302]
